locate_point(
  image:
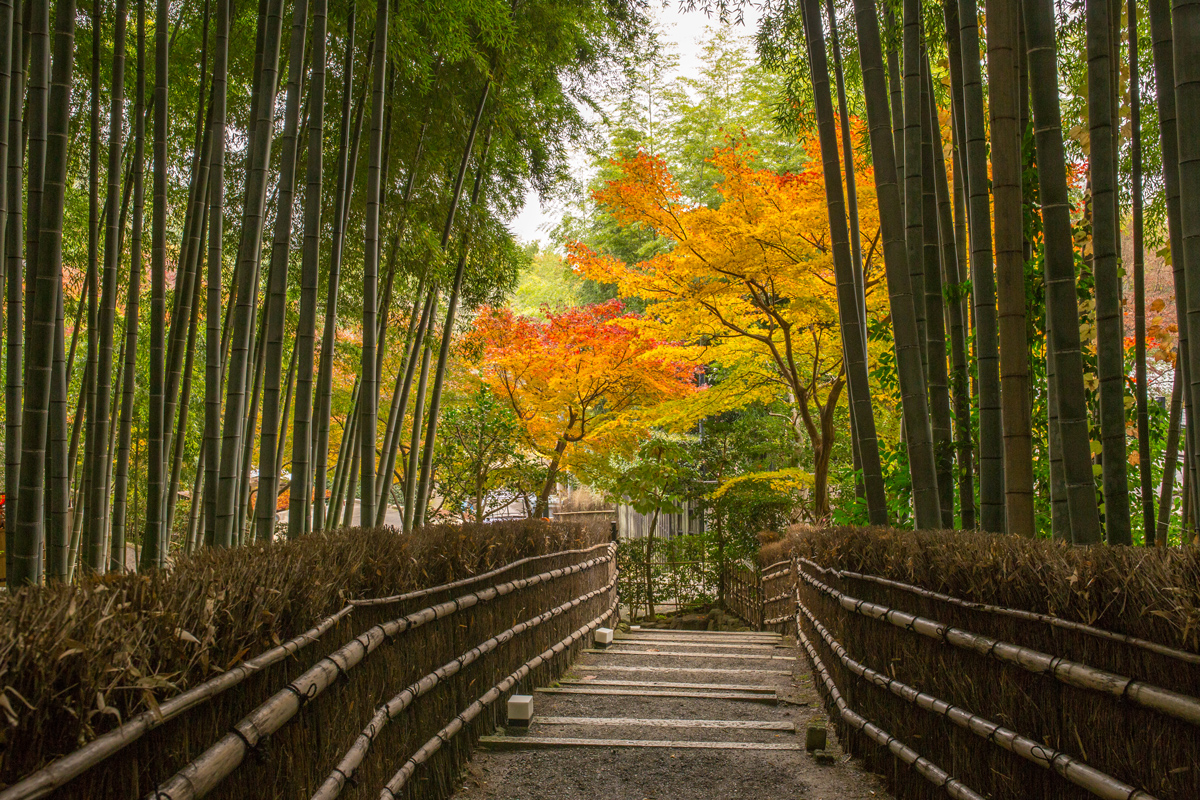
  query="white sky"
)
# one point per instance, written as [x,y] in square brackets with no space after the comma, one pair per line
[685,31]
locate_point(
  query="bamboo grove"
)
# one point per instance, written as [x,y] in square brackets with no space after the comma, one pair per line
[988,219]
[216,214]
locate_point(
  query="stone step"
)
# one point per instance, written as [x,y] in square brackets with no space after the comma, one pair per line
[722,687]
[625,651]
[734,724]
[752,697]
[534,742]
[671,670]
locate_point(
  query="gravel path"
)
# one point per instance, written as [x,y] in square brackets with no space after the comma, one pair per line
[513,770]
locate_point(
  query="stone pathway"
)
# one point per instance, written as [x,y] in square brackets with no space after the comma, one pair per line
[672,715]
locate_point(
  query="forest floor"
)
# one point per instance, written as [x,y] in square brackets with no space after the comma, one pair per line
[756,748]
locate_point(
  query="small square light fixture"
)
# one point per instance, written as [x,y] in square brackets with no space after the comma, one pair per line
[604,637]
[520,710]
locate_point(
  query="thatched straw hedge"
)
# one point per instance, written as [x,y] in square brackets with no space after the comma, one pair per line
[77,661]
[1151,594]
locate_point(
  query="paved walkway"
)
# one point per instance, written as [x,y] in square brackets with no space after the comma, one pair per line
[672,715]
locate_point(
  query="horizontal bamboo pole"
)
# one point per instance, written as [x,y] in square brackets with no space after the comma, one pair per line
[778,597]
[784,563]
[1033,616]
[357,753]
[1077,772]
[396,784]
[776,575]
[58,773]
[1072,673]
[202,774]
[927,769]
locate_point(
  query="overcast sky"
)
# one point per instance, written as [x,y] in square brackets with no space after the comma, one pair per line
[686,31]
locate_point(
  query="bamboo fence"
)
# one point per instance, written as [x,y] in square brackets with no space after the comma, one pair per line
[426,626]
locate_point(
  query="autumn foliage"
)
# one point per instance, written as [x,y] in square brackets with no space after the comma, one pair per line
[583,375]
[748,285]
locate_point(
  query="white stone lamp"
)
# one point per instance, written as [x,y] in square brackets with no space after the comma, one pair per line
[520,710]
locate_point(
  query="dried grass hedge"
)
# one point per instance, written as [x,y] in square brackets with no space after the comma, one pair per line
[76,661]
[1148,593]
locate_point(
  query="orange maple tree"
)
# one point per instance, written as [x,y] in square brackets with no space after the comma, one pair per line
[583,375]
[748,284]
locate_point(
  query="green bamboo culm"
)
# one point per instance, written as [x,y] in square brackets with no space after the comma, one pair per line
[1062,310]
[983,282]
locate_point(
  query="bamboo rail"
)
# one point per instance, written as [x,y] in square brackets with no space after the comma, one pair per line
[202,774]
[1077,772]
[397,782]
[926,768]
[1073,673]
[1016,613]
[57,773]
[344,771]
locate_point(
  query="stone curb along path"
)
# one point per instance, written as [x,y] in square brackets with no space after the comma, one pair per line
[672,715]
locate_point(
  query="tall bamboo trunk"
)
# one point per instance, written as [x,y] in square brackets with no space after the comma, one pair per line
[249,260]
[1016,415]
[1061,302]
[1170,460]
[950,272]
[849,308]
[324,391]
[157,534]
[1110,335]
[938,376]
[369,394]
[1145,465]
[216,200]
[411,521]
[913,208]
[14,289]
[983,282]
[909,371]
[309,279]
[132,305]
[96,448]
[1185,28]
[426,483]
[277,278]
[179,440]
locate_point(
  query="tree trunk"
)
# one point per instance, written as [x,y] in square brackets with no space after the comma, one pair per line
[912,170]
[1170,459]
[1145,465]
[542,510]
[1003,82]
[14,291]
[324,391]
[891,218]
[96,448]
[1110,335]
[157,535]
[935,325]
[1185,27]
[411,521]
[132,303]
[249,260]
[1061,303]
[849,308]
[277,279]
[40,326]
[983,283]
[369,394]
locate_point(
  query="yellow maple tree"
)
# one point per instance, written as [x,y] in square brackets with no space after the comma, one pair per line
[748,285]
